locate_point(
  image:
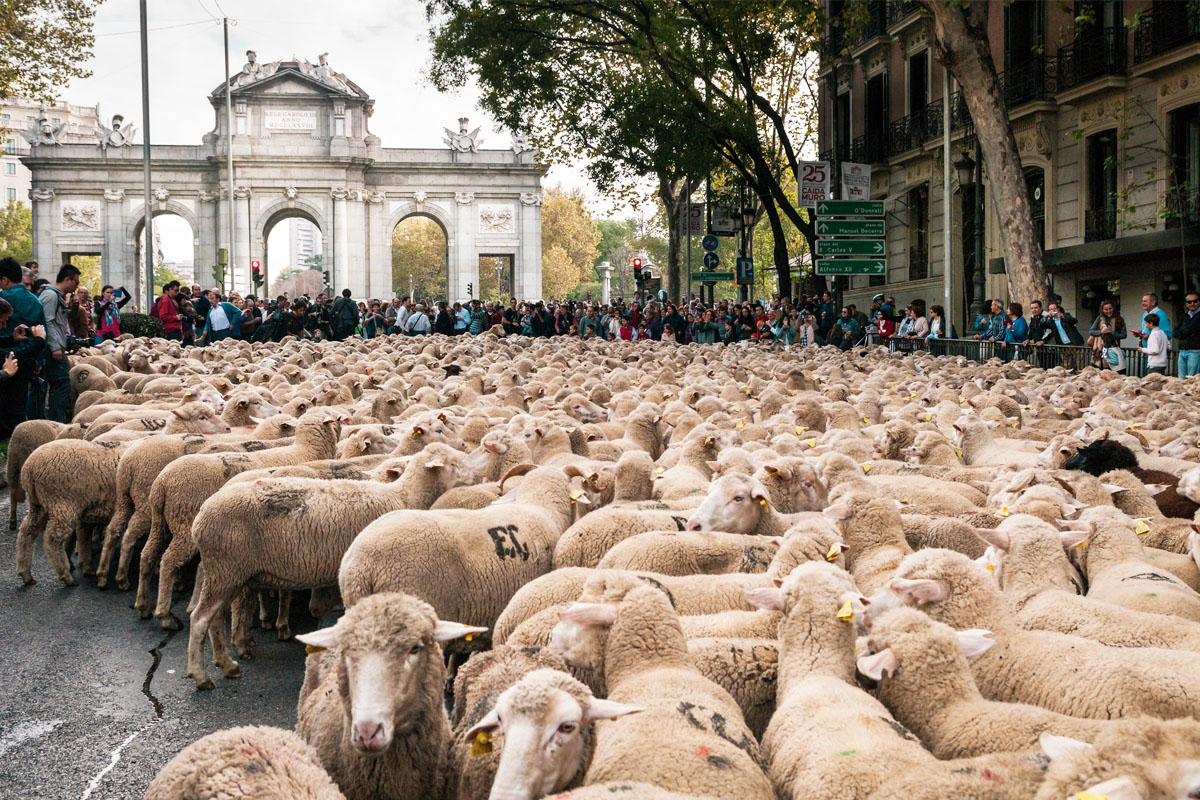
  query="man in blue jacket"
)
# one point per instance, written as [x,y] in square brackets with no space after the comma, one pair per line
[17,336]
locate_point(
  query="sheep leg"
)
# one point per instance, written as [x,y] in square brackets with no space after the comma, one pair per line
[241,615]
[264,614]
[282,615]
[16,496]
[84,544]
[150,556]
[111,534]
[220,645]
[58,530]
[135,529]
[179,552]
[32,525]
[206,611]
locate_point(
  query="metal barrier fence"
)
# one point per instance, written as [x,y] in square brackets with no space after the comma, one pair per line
[1045,356]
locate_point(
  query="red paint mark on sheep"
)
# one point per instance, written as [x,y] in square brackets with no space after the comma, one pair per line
[703,752]
[988,775]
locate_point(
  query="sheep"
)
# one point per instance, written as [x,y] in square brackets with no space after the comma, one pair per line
[872,529]
[292,533]
[251,762]
[1062,673]
[921,531]
[738,504]
[372,705]
[703,746]
[192,479]
[691,553]
[26,437]
[975,441]
[621,790]
[587,541]
[471,561]
[1105,455]
[1131,496]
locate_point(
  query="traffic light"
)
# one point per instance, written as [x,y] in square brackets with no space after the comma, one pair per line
[327,281]
[256,273]
[470,290]
[637,264]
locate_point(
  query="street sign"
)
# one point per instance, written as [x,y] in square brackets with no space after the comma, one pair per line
[709,243]
[852,266]
[712,276]
[850,208]
[711,261]
[691,218]
[724,219]
[814,183]
[856,181]
[745,270]
[851,247]
[850,227]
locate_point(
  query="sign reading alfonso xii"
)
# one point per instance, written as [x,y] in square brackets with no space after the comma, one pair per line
[302,148]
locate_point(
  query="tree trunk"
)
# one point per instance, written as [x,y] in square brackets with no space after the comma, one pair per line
[783,269]
[960,31]
[673,199]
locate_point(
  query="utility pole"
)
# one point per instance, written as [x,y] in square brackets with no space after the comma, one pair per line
[229,159]
[947,198]
[149,212]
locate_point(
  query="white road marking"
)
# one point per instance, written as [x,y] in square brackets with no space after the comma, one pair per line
[116,757]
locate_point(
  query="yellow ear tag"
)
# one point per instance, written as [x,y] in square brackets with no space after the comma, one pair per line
[928,417]
[482,744]
[575,495]
[763,502]
[1058,411]
[740,425]
[659,470]
[846,613]
[810,442]
[958,452]
[1090,796]
[1003,512]
[747,390]
[866,467]
[417,434]
[990,568]
[312,648]
[793,392]
[720,383]
[834,552]
[1142,529]
[1081,544]
[737,409]
[799,430]
[468,637]
[1027,408]
[866,421]
[678,374]
[1013,423]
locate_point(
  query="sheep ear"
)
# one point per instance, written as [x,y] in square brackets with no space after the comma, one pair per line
[600,614]
[607,709]
[445,631]
[1112,488]
[1119,788]
[878,665]
[766,597]
[715,466]
[838,511]
[175,411]
[499,448]
[1072,539]
[975,641]
[996,539]
[1077,525]
[489,724]
[1061,746]
[919,591]
[324,638]
[1156,488]
[775,541]
[438,464]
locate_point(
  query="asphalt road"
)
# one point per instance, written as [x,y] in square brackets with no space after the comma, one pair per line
[85,711]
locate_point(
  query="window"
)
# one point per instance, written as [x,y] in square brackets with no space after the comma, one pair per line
[918,233]
[5,116]
[10,147]
[1024,32]
[1183,193]
[841,125]
[10,168]
[918,82]
[10,195]
[875,120]
[1035,186]
[30,118]
[1100,220]
[55,120]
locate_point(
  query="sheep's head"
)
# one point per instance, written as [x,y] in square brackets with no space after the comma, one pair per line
[951,588]
[582,632]
[547,721]
[1189,485]
[583,409]
[199,418]
[931,650]
[805,490]
[823,593]
[1131,760]
[1101,456]
[735,504]
[389,664]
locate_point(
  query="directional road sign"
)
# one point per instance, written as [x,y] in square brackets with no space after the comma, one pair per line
[850,227]
[852,266]
[850,208]
[851,247]
[711,261]
[709,243]
[712,276]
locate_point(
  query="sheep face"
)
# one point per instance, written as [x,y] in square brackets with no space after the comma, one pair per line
[735,504]
[546,719]
[1189,485]
[387,649]
[200,418]
[1101,456]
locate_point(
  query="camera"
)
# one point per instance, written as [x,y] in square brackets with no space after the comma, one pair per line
[75,342]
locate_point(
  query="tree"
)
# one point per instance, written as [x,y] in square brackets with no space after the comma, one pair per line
[961,43]
[45,43]
[16,231]
[569,239]
[164,275]
[419,258]
[296,282]
[89,272]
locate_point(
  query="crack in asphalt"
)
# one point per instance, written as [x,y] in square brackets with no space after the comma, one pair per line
[156,652]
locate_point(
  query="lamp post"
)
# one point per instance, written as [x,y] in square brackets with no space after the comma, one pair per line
[970,173]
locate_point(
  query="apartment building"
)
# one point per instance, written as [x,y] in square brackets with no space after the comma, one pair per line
[1104,100]
[16,115]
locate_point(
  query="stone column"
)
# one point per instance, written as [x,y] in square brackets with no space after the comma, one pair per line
[113,268]
[464,263]
[606,287]
[529,259]
[208,219]
[377,246]
[356,273]
[339,273]
[42,203]
[239,260]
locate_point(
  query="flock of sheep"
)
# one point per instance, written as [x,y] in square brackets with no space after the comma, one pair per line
[651,571]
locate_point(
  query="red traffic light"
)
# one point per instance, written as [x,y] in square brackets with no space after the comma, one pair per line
[637,263]
[254,265]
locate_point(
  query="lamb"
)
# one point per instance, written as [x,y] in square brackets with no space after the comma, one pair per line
[703,745]
[471,561]
[192,479]
[691,553]
[251,762]
[978,447]
[372,705]
[1062,673]
[292,533]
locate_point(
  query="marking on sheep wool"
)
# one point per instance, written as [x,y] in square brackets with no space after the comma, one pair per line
[658,585]
[899,729]
[680,522]
[498,535]
[755,556]
[1147,576]
[253,446]
[153,424]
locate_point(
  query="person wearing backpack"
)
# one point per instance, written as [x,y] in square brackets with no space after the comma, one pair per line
[344,314]
[1111,356]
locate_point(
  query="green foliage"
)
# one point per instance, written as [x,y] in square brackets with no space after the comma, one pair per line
[164,275]
[46,43]
[569,239]
[419,258]
[89,272]
[141,325]
[16,231]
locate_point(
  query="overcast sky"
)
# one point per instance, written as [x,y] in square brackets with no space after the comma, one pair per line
[382,45]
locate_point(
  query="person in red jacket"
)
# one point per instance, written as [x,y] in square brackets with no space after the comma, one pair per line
[167,310]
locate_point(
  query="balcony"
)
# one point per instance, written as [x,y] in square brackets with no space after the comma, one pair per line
[1181,208]
[918,261]
[1165,27]
[1100,225]
[871,148]
[875,24]
[960,117]
[1036,79]
[1090,57]
[907,133]
[832,45]
[898,10]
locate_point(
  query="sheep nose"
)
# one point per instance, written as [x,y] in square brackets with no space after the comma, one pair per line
[370,737]
[694,525]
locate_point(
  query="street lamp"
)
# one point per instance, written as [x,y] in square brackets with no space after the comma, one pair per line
[965,167]
[748,217]
[970,174]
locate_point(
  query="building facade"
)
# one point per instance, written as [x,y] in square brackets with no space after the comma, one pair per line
[17,114]
[1104,102]
[301,148]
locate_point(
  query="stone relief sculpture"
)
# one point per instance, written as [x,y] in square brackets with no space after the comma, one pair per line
[252,71]
[115,136]
[321,71]
[464,198]
[162,194]
[291,192]
[43,131]
[495,219]
[41,195]
[521,145]
[80,216]
[463,142]
[419,197]
[531,198]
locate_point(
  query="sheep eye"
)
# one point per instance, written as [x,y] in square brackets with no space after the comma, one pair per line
[568,727]
[416,648]
[738,499]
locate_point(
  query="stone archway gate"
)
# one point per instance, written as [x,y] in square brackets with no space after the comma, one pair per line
[300,143]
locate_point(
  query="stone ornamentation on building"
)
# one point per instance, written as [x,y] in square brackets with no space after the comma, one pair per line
[41,195]
[114,195]
[162,194]
[115,136]
[322,72]
[374,197]
[339,193]
[291,192]
[496,219]
[208,197]
[531,198]
[252,71]
[464,198]
[354,194]
[463,142]
[241,192]
[81,216]
[419,197]
[521,145]
[43,131]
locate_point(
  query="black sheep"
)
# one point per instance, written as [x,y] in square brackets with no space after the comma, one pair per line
[1105,455]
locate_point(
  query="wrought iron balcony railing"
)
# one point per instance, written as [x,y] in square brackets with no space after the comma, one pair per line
[1165,27]
[1100,224]
[1092,56]
[1035,79]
